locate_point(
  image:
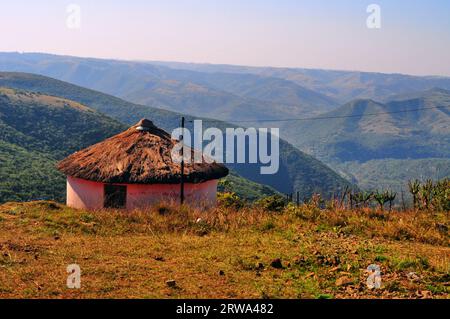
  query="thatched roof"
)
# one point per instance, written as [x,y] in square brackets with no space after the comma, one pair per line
[139,155]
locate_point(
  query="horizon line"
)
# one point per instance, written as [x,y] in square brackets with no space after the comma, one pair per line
[223,64]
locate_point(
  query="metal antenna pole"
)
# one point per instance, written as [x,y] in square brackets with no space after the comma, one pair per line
[182,163]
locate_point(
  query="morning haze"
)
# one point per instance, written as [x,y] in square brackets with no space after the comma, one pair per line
[413,38]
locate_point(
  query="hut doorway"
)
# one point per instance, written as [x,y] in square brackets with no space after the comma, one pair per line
[115,196]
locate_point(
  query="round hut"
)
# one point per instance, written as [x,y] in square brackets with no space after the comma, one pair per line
[134,169]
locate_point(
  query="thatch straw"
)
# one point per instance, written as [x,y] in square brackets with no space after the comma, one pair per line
[137,156]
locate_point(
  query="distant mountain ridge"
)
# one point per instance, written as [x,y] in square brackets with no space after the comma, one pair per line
[339,86]
[342,86]
[190,92]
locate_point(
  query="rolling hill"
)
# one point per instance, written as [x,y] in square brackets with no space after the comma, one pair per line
[394,173]
[288,91]
[224,96]
[341,86]
[50,124]
[364,130]
[35,131]
[385,150]
[298,171]
[229,96]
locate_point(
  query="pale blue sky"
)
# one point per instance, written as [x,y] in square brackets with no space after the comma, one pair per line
[414,37]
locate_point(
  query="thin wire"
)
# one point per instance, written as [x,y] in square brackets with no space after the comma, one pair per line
[329,117]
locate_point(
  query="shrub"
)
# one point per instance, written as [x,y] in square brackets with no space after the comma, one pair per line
[274,203]
[230,200]
[268,225]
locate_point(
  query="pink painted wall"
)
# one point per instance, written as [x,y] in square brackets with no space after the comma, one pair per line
[201,194]
[85,194]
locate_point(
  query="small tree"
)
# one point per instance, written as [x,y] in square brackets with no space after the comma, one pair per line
[441,195]
[390,196]
[426,192]
[381,198]
[414,188]
[362,198]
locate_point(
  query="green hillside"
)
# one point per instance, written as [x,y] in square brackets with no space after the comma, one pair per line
[28,175]
[245,188]
[394,173]
[386,150]
[298,171]
[51,124]
[37,130]
[353,133]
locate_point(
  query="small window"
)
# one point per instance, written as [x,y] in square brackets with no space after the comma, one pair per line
[115,196]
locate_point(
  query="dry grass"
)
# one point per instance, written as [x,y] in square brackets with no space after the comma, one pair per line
[221,253]
[412,225]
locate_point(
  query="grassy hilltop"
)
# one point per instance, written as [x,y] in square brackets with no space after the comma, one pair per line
[251,252]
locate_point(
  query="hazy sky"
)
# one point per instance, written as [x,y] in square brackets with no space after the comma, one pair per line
[414,36]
